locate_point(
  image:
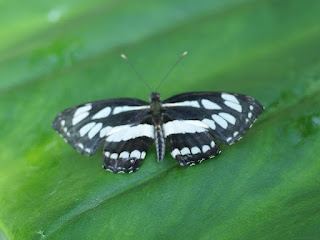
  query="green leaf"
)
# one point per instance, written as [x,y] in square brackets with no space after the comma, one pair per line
[58,54]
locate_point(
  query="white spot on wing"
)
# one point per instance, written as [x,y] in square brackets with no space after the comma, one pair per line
[249,114]
[233,105]
[103,113]
[135,154]
[175,152]
[185,151]
[83,109]
[80,145]
[124,155]
[251,107]
[143,155]
[183,126]
[104,131]
[86,128]
[229,139]
[63,122]
[195,150]
[210,123]
[212,144]
[107,154]
[94,130]
[78,118]
[121,109]
[126,132]
[207,104]
[229,97]
[114,155]
[118,129]
[220,121]
[235,133]
[183,104]
[231,119]
[205,148]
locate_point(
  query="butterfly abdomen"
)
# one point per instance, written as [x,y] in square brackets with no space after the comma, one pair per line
[159,142]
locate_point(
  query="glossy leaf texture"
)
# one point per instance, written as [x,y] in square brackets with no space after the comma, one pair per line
[56,54]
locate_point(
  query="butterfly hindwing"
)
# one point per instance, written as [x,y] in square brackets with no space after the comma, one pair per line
[85,126]
[126,146]
[190,149]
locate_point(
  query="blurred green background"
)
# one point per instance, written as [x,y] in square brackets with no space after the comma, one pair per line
[56,54]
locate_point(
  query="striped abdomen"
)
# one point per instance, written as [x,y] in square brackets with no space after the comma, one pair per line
[159,141]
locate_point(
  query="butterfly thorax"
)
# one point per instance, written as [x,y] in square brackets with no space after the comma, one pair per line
[155,105]
[156,111]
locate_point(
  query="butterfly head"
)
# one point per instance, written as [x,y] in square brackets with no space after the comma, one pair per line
[155,97]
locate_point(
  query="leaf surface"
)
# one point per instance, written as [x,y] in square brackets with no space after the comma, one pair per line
[59,54]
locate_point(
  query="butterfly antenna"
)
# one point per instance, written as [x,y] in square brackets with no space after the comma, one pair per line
[170,70]
[134,69]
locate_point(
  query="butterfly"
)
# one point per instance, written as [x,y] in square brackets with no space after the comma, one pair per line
[189,124]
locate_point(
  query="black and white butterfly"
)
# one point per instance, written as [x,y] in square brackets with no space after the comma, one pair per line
[189,124]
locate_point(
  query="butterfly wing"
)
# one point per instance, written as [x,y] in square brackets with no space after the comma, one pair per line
[86,126]
[126,146]
[192,122]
